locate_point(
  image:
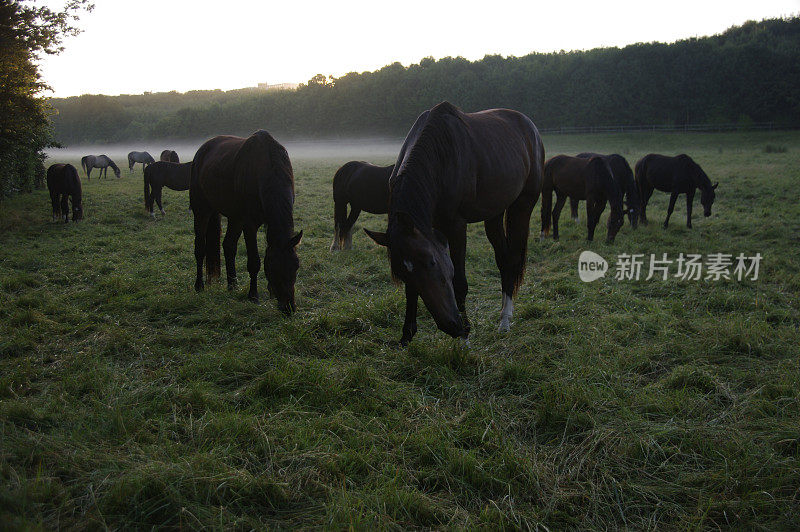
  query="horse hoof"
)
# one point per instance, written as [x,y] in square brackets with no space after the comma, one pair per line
[252,298]
[404,342]
[198,287]
[504,327]
[162,212]
[231,287]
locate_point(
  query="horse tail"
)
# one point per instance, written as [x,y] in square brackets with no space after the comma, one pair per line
[340,228]
[547,200]
[213,237]
[148,200]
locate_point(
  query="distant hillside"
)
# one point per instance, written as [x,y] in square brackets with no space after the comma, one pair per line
[750,73]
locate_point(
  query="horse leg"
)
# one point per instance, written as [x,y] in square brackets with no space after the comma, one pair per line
[594,209]
[646,194]
[348,227]
[55,204]
[229,244]
[253,262]
[158,200]
[689,201]
[561,199]
[672,199]
[457,240]
[64,208]
[573,207]
[200,224]
[410,322]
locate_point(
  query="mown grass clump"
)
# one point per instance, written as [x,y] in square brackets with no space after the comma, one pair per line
[127,400]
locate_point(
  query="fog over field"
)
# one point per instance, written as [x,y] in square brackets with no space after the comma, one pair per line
[368,149]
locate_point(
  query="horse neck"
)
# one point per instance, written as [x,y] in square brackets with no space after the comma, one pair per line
[415,192]
[278,209]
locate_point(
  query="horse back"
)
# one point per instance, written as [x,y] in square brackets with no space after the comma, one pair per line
[366,187]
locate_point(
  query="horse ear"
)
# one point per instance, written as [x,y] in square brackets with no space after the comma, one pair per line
[295,240]
[715,185]
[380,238]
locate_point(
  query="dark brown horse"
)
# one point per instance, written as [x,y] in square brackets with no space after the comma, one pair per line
[623,175]
[163,174]
[365,187]
[170,156]
[456,168]
[676,175]
[250,181]
[63,182]
[581,179]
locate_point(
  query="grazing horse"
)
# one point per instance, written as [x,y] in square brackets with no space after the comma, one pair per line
[63,182]
[251,182]
[457,168]
[164,174]
[170,156]
[366,188]
[98,161]
[677,175]
[623,175]
[581,179]
[139,157]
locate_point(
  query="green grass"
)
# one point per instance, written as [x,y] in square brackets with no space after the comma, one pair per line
[129,401]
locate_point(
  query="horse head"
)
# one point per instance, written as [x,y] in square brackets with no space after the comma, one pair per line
[280,269]
[707,196]
[422,261]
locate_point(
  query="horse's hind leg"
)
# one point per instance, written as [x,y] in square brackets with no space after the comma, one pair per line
[348,228]
[689,201]
[573,207]
[645,193]
[158,199]
[229,245]
[253,262]
[55,205]
[561,199]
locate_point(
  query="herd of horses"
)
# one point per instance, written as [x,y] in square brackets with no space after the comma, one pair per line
[454,168]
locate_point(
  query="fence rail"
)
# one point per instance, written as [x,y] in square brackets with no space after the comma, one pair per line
[758,126]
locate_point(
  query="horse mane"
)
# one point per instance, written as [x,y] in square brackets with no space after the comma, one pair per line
[415,188]
[266,159]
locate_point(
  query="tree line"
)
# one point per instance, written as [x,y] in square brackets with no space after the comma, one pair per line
[749,73]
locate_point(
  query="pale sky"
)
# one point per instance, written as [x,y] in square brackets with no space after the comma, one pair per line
[133,46]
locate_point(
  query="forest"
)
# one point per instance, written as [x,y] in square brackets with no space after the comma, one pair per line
[749,73]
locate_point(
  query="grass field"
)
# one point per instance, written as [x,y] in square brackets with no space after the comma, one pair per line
[129,401]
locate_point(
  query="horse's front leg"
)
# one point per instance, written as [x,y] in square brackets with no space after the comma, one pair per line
[672,199]
[457,241]
[253,262]
[689,201]
[410,323]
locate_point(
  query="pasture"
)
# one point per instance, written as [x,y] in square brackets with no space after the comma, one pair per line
[128,400]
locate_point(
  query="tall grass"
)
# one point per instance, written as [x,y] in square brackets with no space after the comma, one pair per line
[127,400]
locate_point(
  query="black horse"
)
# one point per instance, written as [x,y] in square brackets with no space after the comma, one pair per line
[677,175]
[63,182]
[456,168]
[366,188]
[250,181]
[139,157]
[623,175]
[98,161]
[163,174]
[170,156]
[581,179]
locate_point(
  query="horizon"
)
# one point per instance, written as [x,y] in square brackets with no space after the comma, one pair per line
[202,64]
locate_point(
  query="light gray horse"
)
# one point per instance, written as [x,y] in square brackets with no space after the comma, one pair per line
[98,161]
[139,157]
